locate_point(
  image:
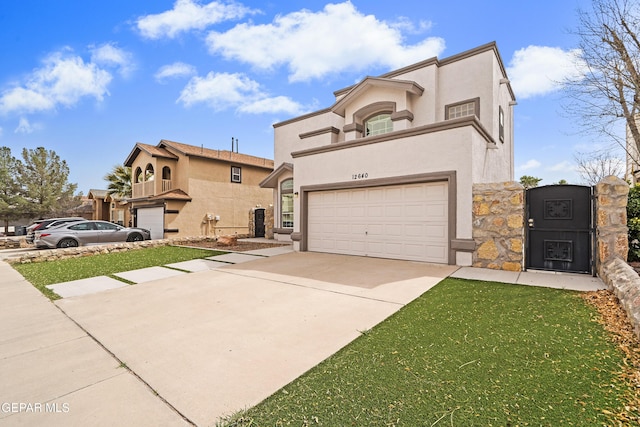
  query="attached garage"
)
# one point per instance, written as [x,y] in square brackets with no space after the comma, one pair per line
[408,221]
[153,220]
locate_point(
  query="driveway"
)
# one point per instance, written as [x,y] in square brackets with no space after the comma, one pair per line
[214,342]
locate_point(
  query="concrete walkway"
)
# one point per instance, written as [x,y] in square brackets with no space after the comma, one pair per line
[548,279]
[214,342]
[53,373]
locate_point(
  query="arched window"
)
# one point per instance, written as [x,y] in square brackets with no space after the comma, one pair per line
[166,178]
[378,124]
[137,176]
[166,172]
[148,173]
[286,203]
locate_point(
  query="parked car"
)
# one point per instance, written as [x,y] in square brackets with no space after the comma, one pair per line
[85,232]
[43,224]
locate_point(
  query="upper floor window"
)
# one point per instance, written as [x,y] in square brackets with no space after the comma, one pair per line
[463,109]
[378,124]
[236,174]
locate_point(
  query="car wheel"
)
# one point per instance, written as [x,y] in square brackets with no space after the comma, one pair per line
[135,237]
[67,243]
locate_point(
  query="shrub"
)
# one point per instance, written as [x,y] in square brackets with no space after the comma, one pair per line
[633,222]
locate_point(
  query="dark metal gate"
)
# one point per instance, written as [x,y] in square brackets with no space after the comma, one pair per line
[559,230]
[259,223]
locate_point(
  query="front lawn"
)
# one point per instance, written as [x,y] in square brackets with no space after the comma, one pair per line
[466,353]
[42,274]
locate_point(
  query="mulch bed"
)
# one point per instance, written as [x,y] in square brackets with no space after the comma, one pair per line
[238,247]
[615,321]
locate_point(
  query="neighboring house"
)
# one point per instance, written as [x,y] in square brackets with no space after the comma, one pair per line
[108,207]
[388,169]
[181,190]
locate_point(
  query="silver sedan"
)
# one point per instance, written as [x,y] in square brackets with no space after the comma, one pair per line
[88,232]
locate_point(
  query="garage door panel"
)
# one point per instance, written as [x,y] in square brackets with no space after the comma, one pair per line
[415,211]
[394,230]
[376,211]
[355,196]
[151,219]
[400,221]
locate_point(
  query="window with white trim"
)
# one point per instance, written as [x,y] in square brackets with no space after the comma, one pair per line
[286,203]
[378,124]
[236,174]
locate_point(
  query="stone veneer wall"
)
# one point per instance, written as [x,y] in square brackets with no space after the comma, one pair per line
[612,246]
[82,251]
[624,282]
[611,221]
[498,226]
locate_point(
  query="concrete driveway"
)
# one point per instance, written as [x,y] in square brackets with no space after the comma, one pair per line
[214,342]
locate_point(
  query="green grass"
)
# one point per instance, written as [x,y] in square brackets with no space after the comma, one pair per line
[42,274]
[466,353]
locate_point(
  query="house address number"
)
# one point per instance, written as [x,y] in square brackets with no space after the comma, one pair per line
[362,175]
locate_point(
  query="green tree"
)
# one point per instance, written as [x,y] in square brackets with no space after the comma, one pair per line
[119,180]
[43,178]
[529,181]
[10,199]
[562,182]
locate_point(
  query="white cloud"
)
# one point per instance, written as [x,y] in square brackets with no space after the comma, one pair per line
[175,70]
[540,70]
[25,127]
[223,91]
[63,80]
[189,15]
[112,56]
[530,164]
[278,104]
[314,44]
[564,165]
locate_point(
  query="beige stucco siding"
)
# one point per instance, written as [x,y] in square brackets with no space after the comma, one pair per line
[231,202]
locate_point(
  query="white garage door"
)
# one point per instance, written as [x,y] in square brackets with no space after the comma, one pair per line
[153,220]
[400,221]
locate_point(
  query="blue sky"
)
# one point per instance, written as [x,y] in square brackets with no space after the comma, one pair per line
[89,79]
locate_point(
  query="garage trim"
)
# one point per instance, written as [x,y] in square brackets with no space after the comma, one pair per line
[449,176]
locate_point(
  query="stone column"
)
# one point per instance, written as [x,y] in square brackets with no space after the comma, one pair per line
[498,226]
[611,221]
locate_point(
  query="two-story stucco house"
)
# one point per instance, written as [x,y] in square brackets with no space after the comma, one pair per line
[387,170]
[181,190]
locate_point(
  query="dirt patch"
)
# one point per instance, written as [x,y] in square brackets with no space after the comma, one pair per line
[615,321]
[238,247]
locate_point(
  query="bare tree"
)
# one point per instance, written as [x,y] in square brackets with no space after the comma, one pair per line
[594,166]
[606,92]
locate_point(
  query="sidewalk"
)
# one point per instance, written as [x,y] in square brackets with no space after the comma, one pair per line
[54,374]
[548,279]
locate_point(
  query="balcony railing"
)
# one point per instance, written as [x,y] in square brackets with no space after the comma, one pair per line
[148,188]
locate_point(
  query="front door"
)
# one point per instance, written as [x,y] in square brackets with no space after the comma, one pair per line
[559,228]
[259,222]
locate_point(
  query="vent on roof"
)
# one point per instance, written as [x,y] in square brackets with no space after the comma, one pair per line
[234,145]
